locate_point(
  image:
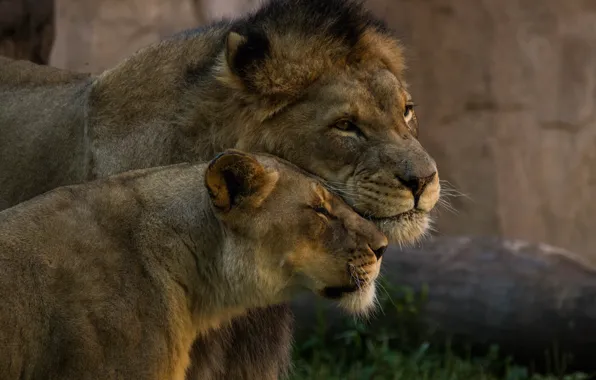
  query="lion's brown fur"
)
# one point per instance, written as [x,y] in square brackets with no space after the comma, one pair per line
[19,74]
[115,279]
[275,81]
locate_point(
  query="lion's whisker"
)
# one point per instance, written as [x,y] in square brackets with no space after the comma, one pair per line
[447,189]
[444,203]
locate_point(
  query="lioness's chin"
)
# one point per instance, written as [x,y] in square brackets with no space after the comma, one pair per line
[361,302]
[404,228]
[357,301]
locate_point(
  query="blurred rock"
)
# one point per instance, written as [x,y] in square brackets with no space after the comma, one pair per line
[27,29]
[207,10]
[94,35]
[529,299]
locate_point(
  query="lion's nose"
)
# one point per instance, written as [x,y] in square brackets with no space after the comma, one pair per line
[378,244]
[416,184]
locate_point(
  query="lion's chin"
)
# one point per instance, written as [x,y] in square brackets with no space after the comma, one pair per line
[356,301]
[406,228]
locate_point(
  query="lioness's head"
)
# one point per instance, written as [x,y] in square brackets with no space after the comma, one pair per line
[324,81]
[285,232]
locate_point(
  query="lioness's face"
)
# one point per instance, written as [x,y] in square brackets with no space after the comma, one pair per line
[303,236]
[321,244]
[357,130]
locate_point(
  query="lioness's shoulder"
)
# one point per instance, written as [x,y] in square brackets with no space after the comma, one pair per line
[24,73]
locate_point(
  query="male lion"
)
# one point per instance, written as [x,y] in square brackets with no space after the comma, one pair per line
[114,279]
[319,83]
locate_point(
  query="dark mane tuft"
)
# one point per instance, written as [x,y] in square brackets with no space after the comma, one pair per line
[344,20]
[284,46]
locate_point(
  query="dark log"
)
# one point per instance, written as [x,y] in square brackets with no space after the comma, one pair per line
[530,299]
[27,29]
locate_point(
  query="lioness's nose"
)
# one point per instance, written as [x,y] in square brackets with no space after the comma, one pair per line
[416,184]
[378,244]
[379,251]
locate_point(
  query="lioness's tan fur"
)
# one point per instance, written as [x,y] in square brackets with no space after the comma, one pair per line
[116,278]
[319,83]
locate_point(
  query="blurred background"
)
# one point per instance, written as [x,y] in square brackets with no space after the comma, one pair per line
[505,93]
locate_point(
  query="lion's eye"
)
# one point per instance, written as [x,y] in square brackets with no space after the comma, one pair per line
[409,112]
[322,210]
[348,126]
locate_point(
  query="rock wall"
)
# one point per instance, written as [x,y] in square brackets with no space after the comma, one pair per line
[506,96]
[93,35]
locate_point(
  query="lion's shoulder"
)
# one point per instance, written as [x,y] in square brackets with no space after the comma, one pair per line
[17,73]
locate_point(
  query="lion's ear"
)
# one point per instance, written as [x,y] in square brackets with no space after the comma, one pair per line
[245,52]
[236,179]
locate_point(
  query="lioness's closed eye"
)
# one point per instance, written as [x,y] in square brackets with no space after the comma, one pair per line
[117,278]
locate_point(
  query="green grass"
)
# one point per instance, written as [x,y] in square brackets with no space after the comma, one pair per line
[361,351]
[382,363]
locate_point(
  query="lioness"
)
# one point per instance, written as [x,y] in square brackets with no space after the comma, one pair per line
[114,279]
[319,83]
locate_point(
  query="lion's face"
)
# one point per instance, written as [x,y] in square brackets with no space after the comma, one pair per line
[330,97]
[303,236]
[357,130]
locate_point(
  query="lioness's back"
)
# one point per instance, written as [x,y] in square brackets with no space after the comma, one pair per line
[65,286]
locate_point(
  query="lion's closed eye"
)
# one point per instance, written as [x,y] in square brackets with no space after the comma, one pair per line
[348,128]
[409,111]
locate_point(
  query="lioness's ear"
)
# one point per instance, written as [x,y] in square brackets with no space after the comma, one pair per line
[234,178]
[244,53]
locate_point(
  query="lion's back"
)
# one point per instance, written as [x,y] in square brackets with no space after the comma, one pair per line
[17,73]
[41,129]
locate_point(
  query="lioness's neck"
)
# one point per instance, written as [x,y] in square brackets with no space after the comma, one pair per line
[178,232]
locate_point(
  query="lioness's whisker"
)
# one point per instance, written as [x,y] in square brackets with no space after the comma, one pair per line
[340,190]
[354,275]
